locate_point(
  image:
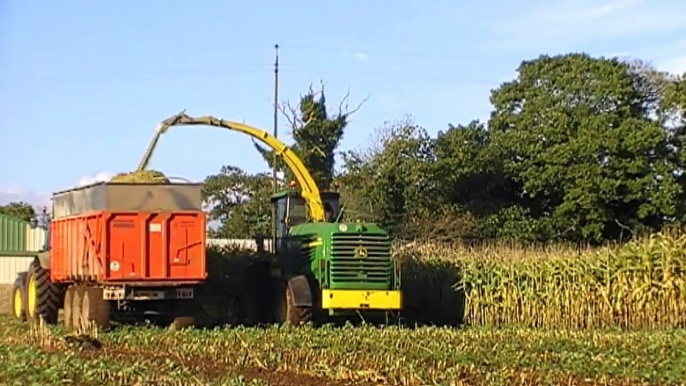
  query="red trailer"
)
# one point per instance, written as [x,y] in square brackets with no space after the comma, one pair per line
[119,249]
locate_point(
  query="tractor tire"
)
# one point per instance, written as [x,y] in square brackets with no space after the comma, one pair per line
[76,308]
[287,311]
[95,310]
[18,309]
[42,295]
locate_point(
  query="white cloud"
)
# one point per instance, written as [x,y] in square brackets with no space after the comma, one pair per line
[12,194]
[362,56]
[100,177]
[40,199]
[570,22]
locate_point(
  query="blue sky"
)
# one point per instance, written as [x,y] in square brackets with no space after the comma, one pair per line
[84,83]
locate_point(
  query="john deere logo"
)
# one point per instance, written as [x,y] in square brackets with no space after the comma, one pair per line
[361,252]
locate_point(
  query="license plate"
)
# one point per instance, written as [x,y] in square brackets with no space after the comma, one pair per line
[184,293]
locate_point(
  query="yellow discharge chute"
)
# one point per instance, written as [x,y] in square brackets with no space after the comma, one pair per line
[310,192]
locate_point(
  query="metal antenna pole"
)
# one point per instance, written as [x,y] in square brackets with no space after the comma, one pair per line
[276,104]
[276,135]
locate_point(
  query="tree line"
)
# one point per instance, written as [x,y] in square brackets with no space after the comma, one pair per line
[577,148]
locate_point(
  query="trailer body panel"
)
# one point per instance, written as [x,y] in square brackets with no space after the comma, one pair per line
[129,247]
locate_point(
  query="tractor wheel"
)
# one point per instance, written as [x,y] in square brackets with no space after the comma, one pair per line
[42,295]
[95,310]
[18,309]
[287,311]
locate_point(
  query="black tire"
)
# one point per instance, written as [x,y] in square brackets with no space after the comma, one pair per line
[288,312]
[18,303]
[183,314]
[47,295]
[95,310]
[68,309]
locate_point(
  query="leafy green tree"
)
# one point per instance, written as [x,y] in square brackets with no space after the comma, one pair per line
[20,210]
[317,134]
[239,201]
[574,132]
[394,179]
[471,173]
[674,107]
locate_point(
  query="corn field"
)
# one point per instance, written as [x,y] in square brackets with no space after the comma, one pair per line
[633,286]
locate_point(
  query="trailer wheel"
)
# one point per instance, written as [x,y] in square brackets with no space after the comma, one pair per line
[184,313]
[76,306]
[42,295]
[69,308]
[18,309]
[95,310]
[288,312]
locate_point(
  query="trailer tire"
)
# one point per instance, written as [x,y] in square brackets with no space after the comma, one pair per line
[183,314]
[95,309]
[42,296]
[76,308]
[18,309]
[68,311]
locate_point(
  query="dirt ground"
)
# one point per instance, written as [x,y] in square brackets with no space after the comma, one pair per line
[5,298]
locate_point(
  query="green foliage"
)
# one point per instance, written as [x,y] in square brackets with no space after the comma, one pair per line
[573,131]
[575,149]
[240,202]
[317,135]
[20,210]
[395,181]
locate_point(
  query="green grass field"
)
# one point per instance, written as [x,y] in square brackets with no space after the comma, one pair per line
[337,356]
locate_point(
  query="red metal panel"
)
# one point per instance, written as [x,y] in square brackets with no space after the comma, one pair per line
[129,247]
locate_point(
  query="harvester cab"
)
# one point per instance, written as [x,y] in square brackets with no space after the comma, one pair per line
[291,211]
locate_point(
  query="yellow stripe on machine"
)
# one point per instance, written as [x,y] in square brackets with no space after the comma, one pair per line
[315,243]
[362,299]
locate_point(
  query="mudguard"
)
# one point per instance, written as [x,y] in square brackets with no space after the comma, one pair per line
[302,296]
[21,278]
[44,260]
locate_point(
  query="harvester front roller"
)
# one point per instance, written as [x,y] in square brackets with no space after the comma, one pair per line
[42,295]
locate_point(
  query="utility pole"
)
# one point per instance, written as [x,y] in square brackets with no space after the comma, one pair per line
[276,135]
[276,106]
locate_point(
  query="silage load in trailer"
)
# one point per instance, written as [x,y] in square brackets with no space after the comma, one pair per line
[142,176]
